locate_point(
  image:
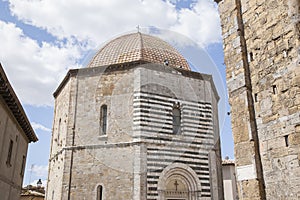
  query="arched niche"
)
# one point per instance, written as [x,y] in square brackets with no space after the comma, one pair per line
[178,181]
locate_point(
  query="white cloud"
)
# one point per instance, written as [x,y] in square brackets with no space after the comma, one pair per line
[201,23]
[34,70]
[39,170]
[37,126]
[98,20]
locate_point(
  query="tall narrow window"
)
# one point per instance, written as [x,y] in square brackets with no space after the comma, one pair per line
[274,89]
[9,154]
[58,130]
[99,192]
[176,114]
[286,139]
[255,97]
[52,194]
[250,57]
[103,119]
[23,166]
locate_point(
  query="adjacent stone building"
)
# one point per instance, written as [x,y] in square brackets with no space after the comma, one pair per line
[136,123]
[262,55]
[15,134]
[229,180]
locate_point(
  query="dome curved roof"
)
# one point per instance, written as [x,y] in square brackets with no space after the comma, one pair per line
[138,47]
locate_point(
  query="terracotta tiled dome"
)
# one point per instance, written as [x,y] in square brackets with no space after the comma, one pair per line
[138,47]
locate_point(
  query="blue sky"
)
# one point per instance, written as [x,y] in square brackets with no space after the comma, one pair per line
[42,40]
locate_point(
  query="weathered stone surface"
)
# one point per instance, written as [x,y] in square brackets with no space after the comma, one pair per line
[139,157]
[269,40]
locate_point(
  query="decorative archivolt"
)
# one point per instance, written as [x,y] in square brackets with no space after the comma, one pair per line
[179,180]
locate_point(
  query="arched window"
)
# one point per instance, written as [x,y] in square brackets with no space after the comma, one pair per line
[103,119]
[176,114]
[99,192]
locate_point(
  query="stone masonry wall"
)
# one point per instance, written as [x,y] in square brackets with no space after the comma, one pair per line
[82,158]
[11,174]
[157,89]
[61,127]
[105,160]
[139,134]
[261,47]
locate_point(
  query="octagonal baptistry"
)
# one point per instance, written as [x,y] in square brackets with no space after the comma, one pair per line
[138,47]
[131,126]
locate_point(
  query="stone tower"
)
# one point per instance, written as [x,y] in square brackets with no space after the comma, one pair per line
[136,123]
[261,47]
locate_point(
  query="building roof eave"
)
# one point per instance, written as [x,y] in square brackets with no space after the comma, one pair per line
[13,103]
[70,73]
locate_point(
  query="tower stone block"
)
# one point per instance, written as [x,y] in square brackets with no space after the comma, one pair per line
[262,56]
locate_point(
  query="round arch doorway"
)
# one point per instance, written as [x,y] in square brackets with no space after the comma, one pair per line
[179,182]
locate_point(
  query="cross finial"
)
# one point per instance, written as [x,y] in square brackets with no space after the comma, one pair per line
[138,28]
[176,184]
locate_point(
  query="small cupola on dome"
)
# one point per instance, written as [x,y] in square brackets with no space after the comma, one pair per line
[138,47]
